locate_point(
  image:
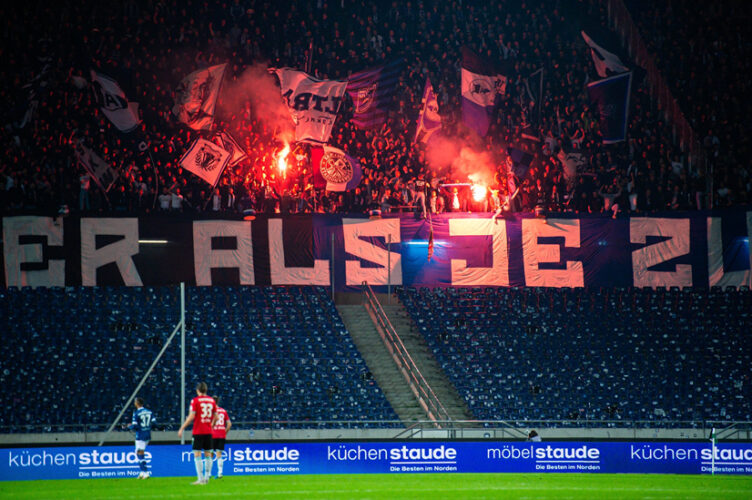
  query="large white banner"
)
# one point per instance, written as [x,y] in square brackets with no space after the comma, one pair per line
[676,243]
[699,249]
[26,250]
[313,103]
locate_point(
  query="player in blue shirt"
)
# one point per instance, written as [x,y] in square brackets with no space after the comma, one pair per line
[141,424]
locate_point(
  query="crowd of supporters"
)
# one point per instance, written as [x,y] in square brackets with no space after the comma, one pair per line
[703,50]
[48,49]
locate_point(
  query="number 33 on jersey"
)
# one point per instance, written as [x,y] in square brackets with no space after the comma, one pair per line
[204,407]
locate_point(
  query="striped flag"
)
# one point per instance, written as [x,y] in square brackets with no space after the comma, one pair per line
[372,92]
[519,162]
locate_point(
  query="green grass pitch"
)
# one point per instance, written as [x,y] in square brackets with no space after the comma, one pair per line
[396,486]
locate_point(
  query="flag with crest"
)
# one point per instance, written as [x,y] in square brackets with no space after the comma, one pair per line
[334,169]
[482,84]
[372,92]
[206,160]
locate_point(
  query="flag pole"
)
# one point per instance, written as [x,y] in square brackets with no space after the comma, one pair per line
[156,181]
[540,98]
[182,356]
[389,268]
[309,59]
[430,232]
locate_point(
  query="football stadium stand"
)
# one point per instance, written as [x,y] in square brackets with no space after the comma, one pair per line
[572,354]
[272,353]
[283,354]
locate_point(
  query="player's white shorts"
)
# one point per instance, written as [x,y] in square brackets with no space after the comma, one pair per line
[141,445]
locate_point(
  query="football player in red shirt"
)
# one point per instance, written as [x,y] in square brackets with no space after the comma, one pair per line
[203,414]
[220,429]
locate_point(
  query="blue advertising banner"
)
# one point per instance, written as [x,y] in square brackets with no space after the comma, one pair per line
[385,457]
[678,249]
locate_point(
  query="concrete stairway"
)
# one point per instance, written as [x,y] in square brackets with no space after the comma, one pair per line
[380,362]
[424,359]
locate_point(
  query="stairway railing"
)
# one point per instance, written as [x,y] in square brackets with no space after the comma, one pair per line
[421,389]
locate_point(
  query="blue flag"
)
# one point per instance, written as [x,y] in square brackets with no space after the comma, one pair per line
[611,96]
[481,85]
[372,92]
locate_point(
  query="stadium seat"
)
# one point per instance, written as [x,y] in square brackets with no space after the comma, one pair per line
[112,335]
[624,354]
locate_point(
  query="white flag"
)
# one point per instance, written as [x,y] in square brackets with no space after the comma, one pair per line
[229,144]
[206,160]
[102,172]
[114,103]
[313,103]
[606,63]
[196,97]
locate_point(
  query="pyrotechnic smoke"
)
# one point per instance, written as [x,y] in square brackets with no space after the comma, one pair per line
[440,152]
[257,86]
[460,159]
[478,166]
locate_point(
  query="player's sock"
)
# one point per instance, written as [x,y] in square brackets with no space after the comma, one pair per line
[200,468]
[209,463]
[220,464]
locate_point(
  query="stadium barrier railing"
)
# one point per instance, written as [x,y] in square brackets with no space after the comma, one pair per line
[426,397]
[334,430]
